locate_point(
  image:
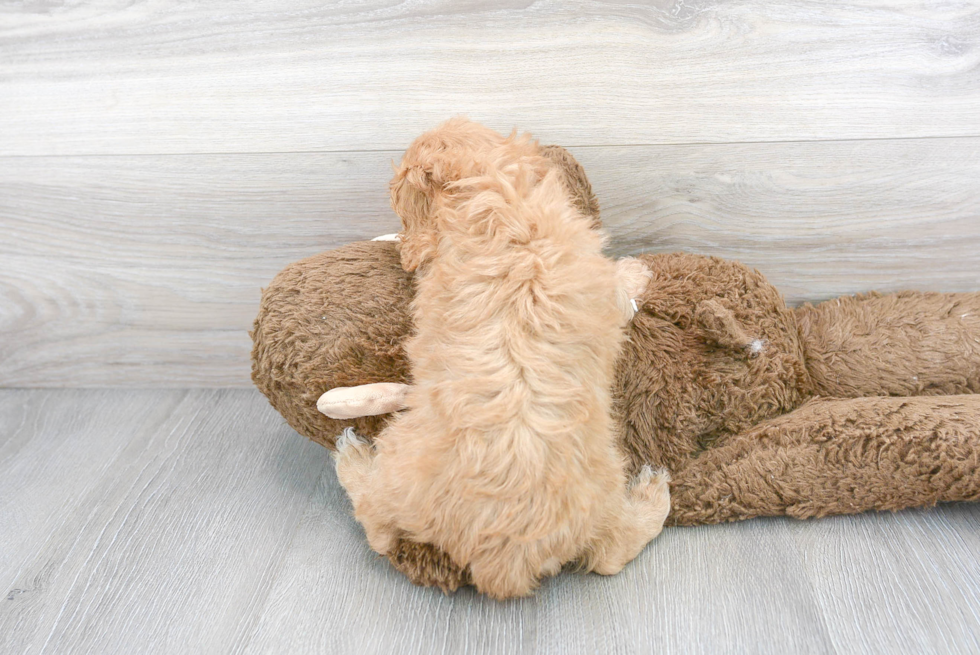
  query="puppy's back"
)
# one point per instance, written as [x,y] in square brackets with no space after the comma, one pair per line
[518,331]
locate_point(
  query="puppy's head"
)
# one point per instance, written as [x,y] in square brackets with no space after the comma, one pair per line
[424,180]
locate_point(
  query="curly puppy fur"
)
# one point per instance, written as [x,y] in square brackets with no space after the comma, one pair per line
[506,457]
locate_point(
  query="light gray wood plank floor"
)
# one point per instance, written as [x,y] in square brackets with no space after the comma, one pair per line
[197,521]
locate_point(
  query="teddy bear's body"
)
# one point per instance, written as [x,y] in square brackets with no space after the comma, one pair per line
[758,409]
[859,403]
[719,382]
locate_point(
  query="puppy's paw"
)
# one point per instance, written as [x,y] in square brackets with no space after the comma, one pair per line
[632,278]
[349,439]
[650,493]
[649,478]
[353,458]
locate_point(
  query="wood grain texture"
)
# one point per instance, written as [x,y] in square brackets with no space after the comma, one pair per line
[195,521]
[165,532]
[818,219]
[857,583]
[47,439]
[113,77]
[147,270]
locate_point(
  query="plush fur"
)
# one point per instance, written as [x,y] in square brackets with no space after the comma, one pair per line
[507,457]
[746,430]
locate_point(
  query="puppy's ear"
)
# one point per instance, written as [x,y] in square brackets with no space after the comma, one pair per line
[412,195]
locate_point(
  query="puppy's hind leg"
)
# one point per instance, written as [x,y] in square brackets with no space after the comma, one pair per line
[355,469]
[639,519]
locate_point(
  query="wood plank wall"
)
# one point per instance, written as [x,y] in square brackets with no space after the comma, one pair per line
[161,161]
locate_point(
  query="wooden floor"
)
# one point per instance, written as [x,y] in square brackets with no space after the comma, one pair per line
[196,521]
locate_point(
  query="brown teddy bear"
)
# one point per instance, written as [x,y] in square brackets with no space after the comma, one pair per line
[864,402]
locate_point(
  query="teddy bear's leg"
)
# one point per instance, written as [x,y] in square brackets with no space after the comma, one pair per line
[356,471]
[633,524]
[899,344]
[836,456]
[632,278]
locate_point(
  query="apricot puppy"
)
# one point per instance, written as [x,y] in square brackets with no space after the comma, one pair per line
[506,455]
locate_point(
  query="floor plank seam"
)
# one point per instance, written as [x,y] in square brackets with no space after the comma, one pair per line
[395,152]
